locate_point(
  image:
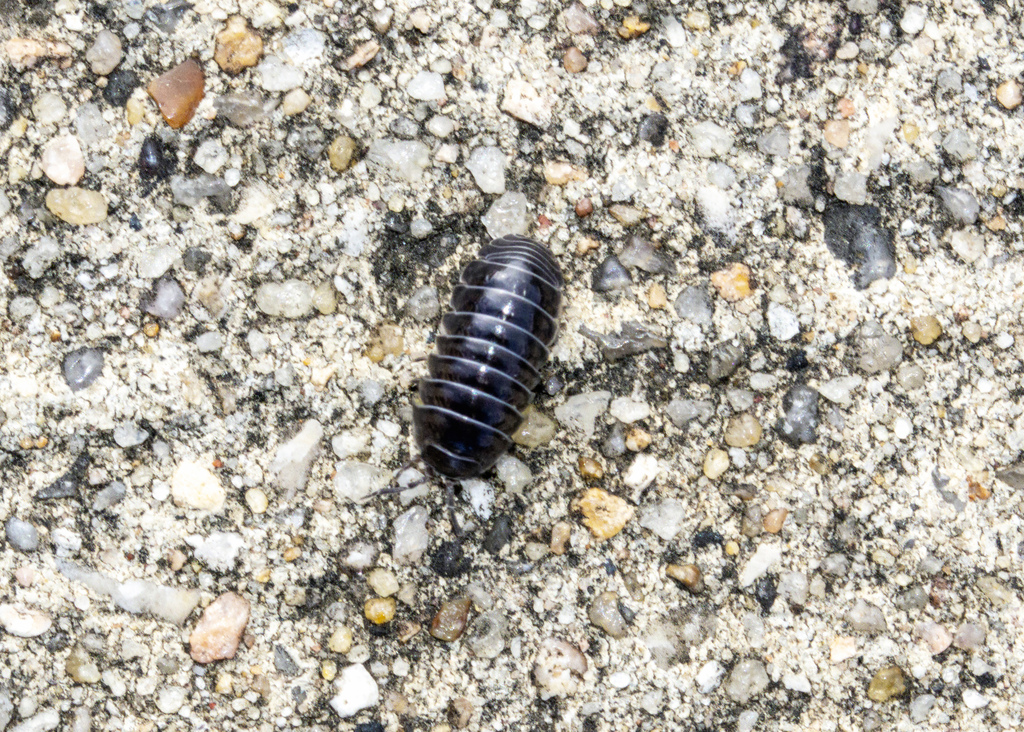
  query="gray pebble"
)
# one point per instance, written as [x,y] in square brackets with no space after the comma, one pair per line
[632,339]
[865,617]
[725,358]
[611,276]
[22,535]
[694,304]
[604,613]
[82,367]
[684,411]
[800,423]
[879,351]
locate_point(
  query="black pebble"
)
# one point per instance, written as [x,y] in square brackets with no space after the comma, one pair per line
[609,567]
[705,538]
[8,109]
[449,560]
[153,160]
[499,535]
[66,485]
[653,128]
[797,361]
[120,85]
[373,726]
[195,259]
[135,223]
[765,592]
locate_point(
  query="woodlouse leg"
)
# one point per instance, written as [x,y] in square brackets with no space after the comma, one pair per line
[393,488]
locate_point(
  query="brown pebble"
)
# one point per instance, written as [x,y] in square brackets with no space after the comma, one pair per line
[220,629]
[591,469]
[688,575]
[560,534]
[450,622]
[584,207]
[178,93]
[574,61]
[774,519]
[238,46]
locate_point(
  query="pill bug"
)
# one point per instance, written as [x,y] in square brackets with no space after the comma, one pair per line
[487,362]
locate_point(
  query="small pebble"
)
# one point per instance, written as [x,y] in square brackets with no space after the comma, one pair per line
[178,93]
[193,485]
[743,430]
[340,640]
[604,514]
[1008,94]
[558,668]
[82,367]
[925,329]
[688,575]
[77,206]
[62,160]
[219,630]
[105,53]
[380,610]
[604,613]
[774,519]
[238,46]
[716,462]
[865,617]
[799,424]
[746,680]
[536,430]
[80,667]
[574,61]
[355,690]
[23,622]
[451,619]
[888,683]
[560,535]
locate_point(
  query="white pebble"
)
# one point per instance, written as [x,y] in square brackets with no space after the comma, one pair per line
[487,164]
[426,86]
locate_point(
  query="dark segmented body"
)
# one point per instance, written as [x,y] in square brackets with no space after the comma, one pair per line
[504,319]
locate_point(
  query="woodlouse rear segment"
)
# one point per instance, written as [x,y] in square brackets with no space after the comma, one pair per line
[504,319]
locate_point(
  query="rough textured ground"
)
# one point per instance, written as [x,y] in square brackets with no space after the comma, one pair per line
[900,542]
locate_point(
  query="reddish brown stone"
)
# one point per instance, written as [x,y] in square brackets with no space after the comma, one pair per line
[178,93]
